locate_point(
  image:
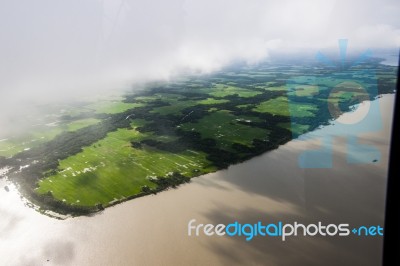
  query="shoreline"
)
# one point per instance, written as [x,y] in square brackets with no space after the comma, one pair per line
[52,212]
[268,188]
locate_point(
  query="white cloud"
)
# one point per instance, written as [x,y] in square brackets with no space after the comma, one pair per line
[52,49]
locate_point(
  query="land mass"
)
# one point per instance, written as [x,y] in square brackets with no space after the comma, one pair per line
[100,154]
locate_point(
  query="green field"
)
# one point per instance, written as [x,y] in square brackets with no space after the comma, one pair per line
[209,101]
[111,169]
[221,90]
[108,107]
[78,124]
[169,97]
[280,106]
[39,135]
[113,148]
[14,145]
[224,128]
[280,88]
[305,91]
[174,107]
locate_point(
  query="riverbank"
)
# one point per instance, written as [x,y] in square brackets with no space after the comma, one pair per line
[268,188]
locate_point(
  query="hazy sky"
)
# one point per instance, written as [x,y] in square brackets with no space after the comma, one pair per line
[57,48]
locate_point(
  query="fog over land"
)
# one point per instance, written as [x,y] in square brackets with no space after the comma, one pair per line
[52,50]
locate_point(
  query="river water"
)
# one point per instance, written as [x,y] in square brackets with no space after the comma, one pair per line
[152,230]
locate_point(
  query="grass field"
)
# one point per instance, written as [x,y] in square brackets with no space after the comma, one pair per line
[245,105]
[223,127]
[232,106]
[111,169]
[39,135]
[159,96]
[273,88]
[175,107]
[221,90]
[112,107]
[210,101]
[280,106]
[305,90]
[78,124]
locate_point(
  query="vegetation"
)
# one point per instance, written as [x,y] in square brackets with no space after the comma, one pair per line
[281,106]
[40,135]
[112,107]
[111,169]
[95,155]
[225,129]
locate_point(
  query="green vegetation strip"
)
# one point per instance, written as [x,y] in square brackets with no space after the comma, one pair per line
[107,107]
[225,129]
[39,135]
[221,90]
[111,169]
[280,106]
[95,156]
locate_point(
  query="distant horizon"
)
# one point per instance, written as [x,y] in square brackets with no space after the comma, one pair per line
[68,47]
